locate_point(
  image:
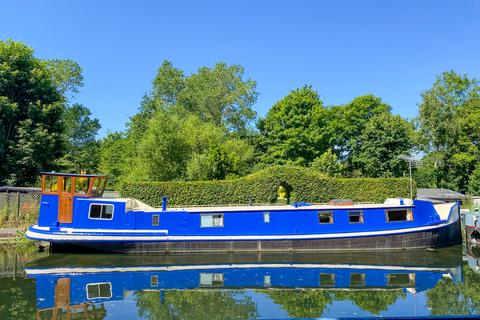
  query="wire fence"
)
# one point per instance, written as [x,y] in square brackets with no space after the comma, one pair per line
[18,208]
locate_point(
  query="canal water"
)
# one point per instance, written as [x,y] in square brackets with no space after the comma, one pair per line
[37,285]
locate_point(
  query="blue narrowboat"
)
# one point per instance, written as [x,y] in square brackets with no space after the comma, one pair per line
[74,216]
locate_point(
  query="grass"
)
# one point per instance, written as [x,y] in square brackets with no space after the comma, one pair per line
[27,215]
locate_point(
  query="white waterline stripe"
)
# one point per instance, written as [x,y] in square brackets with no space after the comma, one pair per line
[71,230]
[42,236]
[228,266]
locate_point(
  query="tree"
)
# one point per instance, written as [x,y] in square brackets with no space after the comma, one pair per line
[116,152]
[328,163]
[301,303]
[31,111]
[191,304]
[379,148]
[66,76]
[82,148]
[448,124]
[371,301]
[292,129]
[474,181]
[346,124]
[219,95]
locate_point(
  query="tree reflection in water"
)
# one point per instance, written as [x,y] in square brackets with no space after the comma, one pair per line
[311,303]
[449,298]
[195,304]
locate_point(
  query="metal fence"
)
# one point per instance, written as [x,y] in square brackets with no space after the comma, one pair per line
[18,208]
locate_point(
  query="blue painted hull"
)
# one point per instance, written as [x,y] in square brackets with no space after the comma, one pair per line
[441,236]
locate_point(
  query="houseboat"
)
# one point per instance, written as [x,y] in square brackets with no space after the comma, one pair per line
[74,216]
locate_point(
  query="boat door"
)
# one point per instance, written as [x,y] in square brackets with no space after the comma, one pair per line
[65,200]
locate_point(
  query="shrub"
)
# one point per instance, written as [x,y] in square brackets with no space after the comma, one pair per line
[302,184]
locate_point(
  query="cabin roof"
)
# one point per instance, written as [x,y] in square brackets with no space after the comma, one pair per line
[287,208]
[71,174]
[439,194]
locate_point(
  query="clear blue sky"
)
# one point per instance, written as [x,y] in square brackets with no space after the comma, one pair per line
[393,49]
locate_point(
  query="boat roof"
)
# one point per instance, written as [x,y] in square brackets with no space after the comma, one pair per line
[288,207]
[72,174]
[136,205]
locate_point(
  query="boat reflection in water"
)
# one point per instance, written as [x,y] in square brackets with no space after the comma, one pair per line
[68,285]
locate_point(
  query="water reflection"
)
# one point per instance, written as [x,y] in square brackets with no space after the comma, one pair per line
[245,286]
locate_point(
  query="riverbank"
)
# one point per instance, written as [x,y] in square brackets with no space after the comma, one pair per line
[9,233]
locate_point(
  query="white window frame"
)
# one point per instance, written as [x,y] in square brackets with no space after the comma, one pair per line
[158,216]
[408,212]
[98,284]
[266,217]
[152,282]
[213,219]
[355,212]
[330,214]
[211,278]
[100,204]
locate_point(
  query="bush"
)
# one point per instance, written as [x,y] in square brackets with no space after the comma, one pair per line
[302,184]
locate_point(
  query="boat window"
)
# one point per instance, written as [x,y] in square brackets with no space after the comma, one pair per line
[96,185]
[211,220]
[266,217]
[401,279]
[325,217]
[81,185]
[357,280]
[101,211]
[51,184]
[327,279]
[99,290]
[154,281]
[155,220]
[67,184]
[355,216]
[211,279]
[267,281]
[399,215]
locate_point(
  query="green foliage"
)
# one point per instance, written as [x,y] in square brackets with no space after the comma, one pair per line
[449,298]
[218,95]
[379,148]
[66,76]
[328,163]
[370,300]
[82,148]
[186,148]
[31,112]
[474,181]
[292,129]
[346,123]
[187,128]
[361,136]
[301,303]
[448,126]
[261,187]
[115,151]
[185,304]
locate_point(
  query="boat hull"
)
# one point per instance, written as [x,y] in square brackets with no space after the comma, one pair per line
[443,235]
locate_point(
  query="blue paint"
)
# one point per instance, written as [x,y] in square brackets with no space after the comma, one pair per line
[232,277]
[300,219]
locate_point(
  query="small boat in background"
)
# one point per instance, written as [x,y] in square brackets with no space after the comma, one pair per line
[74,216]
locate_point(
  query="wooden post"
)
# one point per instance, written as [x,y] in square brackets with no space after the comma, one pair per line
[18,206]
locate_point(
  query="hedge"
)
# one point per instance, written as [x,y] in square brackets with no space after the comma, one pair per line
[303,184]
